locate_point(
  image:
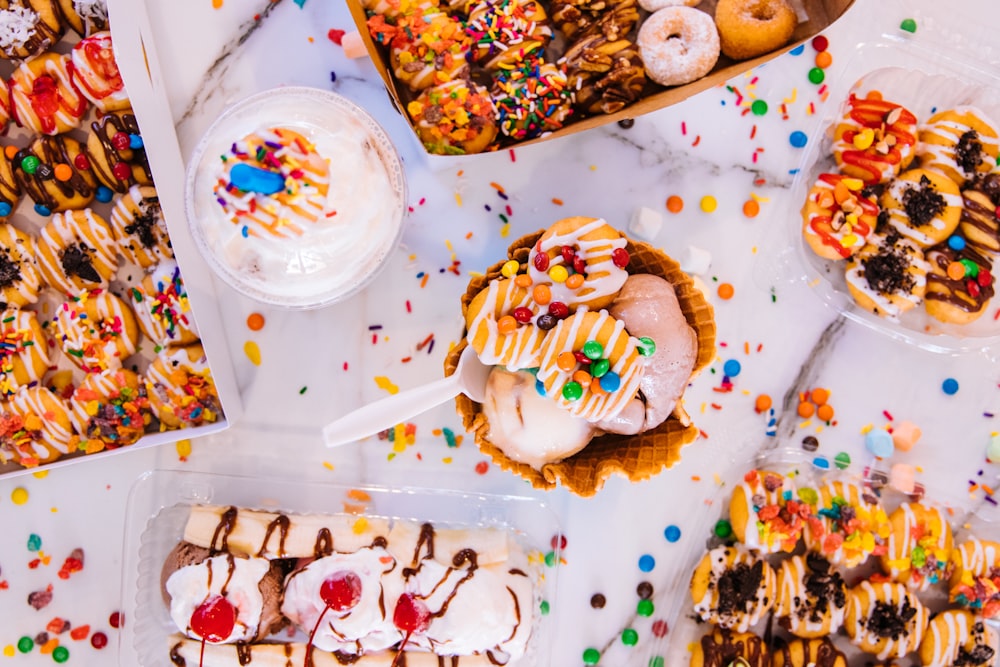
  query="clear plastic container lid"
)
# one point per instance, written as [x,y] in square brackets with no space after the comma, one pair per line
[295,196]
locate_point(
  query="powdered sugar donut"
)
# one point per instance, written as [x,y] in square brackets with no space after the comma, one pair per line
[654,5]
[678,45]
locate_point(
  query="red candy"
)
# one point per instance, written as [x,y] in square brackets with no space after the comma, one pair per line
[80,632]
[522,314]
[567,254]
[541,261]
[99,640]
[581,357]
[820,43]
[579,265]
[620,257]
[559,540]
[972,288]
[122,171]
[81,162]
[120,141]
[214,619]
[559,309]
[115,619]
[985,278]
[659,628]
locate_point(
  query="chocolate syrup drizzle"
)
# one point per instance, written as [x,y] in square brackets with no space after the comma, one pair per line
[41,186]
[104,164]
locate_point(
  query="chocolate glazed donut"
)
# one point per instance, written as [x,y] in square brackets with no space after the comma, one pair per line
[116,163]
[41,184]
[802,652]
[958,293]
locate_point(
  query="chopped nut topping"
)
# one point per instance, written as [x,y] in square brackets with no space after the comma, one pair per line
[893,116]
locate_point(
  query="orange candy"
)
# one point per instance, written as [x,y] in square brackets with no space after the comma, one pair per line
[541,294]
[566,361]
[956,271]
[575,281]
[10,152]
[751,208]
[726,291]
[825,412]
[255,321]
[596,388]
[583,377]
[806,410]
[819,396]
[523,280]
[675,204]
[841,192]
[762,403]
[63,172]
[506,325]
[824,59]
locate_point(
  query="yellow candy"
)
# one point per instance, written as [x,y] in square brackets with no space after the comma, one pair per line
[558,273]
[849,240]
[708,203]
[252,350]
[864,139]
[852,219]
[855,184]
[868,542]
[183,448]
[509,269]
[19,496]
[360,526]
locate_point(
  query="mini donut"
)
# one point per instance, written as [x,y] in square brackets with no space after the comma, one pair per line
[975,577]
[95,73]
[678,45]
[85,17]
[109,410]
[765,512]
[394,10]
[180,387]
[96,330]
[10,190]
[76,251]
[960,299]
[38,423]
[116,151]
[980,222]
[722,648]
[884,619]
[504,32]
[28,28]
[874,138]
[532,99]
[811,597]
[24,355]
[732,588]
[598,383]
[578,246]
[454,118]
[923,206]
[838,217]
[888,276]
[848,525]
[43,97]
[55,173]
[960,143]
[919,546]
[607,73]
[496,334]
[750,28]
[820,652]
[956,637]
[139,228]
[653,5]
[430,51]
[578,19]
[161,305]
[19,276]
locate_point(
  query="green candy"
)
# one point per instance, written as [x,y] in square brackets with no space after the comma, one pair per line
[909,25]
[30,164]
[816,75]
[656,661]
[644,608]
[971,268]
[60,654]
[600,367]
[630,637]
[723,529]
[550,559]
[591,656]
[646,346]
[25,644]
[759,107]
[593,350]
[543,607]
[572,391]
[842,460]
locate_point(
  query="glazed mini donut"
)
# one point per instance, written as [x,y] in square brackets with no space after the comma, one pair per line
[923,206]
[109,410]
[430,51]
[819,652]
[85,17]
[919,546]
[838,217]
[505,32]
[600,381]
[722,648]
[980,224]
[96,330]
[24,355]
[116,151]
[28,28]
[750,28]
[19,276]
[607,73]
[811,597]
[498,334]
[139,228]
[45,429]
[180,388]
[678,45]
[956,637]
[884,619]
[583,260]
[874,138]
[10,190]
[961,143]
[732,588]
[765,512]
[56,174]
[161,305]
[848,525]
[454,118]
[76,251]
[531,99]
[975,577]
[888,276]
[959,284]
[43,97]
[95,73]
[578,19]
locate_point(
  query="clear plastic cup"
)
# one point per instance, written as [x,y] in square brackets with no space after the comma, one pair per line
[295,196]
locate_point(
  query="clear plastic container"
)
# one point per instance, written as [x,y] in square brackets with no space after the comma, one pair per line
[160,502]
[925,73]
[295,197]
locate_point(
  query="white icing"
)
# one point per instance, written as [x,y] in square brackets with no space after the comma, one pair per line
[739,620]
[38,401]
[517,350]
[942,156]
[92,334]
[797,604]
[22,85]
[979,557]
[604,278]
[861,602]
[887,308]
[902,540]
[901,222]
[752,529]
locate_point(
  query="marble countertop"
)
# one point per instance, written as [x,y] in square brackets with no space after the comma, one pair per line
[317,365]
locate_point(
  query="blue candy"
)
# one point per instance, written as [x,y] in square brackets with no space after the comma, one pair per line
[104,194]
[254,179]
[610,381]
[135,142]
[879,442]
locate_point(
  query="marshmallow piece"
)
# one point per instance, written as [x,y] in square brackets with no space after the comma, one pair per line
[993,450]
[645,223]
[905,435]
[879,442]
[695,260]
[903,478]
[353,45]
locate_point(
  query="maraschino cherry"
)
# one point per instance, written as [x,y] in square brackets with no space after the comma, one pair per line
[340,592]
[411,615]
[213,620]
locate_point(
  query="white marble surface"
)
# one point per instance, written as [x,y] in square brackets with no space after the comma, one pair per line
[215,56]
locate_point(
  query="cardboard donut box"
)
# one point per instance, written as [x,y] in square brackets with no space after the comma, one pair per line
[820,13]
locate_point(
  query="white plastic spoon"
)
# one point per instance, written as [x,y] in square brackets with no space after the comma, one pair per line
[469,378]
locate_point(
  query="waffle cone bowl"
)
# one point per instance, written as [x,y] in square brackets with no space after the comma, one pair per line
[636,457]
